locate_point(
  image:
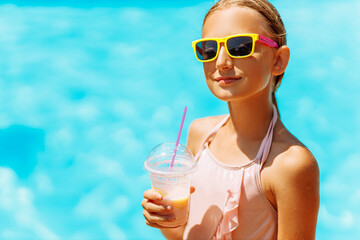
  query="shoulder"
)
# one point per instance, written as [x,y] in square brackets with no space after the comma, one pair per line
[291,165]
[293,158]
[199,129]
[296,161]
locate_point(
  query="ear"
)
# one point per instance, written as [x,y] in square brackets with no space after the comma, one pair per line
[281,60]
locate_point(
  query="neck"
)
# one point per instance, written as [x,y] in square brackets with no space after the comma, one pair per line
[250,120]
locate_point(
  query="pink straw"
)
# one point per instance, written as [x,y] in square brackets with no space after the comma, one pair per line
[178,138]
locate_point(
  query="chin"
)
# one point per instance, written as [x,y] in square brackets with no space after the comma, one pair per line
[225,95]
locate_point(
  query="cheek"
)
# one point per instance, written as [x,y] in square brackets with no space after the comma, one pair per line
[209,69]
[257,69]
[266,66]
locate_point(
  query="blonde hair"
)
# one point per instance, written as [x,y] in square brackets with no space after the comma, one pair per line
[270,14]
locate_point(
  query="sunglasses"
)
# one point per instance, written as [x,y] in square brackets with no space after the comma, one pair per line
[237,46]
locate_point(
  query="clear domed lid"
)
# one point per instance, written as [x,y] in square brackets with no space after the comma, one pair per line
[159,160]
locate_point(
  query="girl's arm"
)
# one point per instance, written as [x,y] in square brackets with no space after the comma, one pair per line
[296,190]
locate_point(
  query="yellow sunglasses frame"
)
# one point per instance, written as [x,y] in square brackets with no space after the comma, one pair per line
[255,37]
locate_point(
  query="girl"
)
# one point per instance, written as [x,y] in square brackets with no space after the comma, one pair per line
[255,179]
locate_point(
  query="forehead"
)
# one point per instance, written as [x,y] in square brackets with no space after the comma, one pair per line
[234,20]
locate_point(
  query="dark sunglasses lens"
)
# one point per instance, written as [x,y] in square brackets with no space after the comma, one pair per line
[240,46]
[206,50]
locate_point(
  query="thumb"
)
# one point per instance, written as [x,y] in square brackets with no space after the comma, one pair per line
[192,189]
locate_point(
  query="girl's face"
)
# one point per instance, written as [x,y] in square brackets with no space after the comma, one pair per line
[239,79]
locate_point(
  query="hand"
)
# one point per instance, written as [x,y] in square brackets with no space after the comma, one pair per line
[154,211]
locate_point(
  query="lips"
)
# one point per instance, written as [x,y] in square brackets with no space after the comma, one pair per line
[227,80]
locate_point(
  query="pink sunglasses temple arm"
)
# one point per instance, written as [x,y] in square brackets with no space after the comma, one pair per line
[268,41]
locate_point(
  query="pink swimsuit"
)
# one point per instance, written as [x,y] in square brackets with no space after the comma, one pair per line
[228,202]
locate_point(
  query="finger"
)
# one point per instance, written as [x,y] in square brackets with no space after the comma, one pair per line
[192,189]
[145,203]
[151,194]
[155,208]
[155,225]
[154,218]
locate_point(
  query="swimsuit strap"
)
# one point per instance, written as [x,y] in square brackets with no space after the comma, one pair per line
[265,146]
[210,136]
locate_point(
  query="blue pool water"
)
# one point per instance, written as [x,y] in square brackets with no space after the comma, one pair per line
[88,88]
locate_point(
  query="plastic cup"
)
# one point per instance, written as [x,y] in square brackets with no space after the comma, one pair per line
[172,183]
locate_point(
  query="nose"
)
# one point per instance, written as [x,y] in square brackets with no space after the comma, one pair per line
[224,61]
